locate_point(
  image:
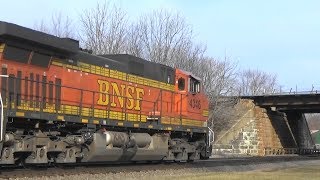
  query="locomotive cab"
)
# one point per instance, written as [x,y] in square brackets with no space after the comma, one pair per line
[191,98]
[192,104]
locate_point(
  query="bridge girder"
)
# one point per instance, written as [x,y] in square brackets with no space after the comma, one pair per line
[305,103]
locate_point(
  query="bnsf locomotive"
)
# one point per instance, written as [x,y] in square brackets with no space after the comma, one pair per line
[62,104]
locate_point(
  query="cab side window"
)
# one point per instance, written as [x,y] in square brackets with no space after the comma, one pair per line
[194,85]
[181,84]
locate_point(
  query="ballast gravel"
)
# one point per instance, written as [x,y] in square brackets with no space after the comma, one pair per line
[171,173]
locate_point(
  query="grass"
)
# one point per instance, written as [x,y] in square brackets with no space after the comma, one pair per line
[308,172]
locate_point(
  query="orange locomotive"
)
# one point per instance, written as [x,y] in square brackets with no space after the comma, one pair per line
[61,104]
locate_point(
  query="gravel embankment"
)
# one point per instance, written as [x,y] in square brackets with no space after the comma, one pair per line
[178,173]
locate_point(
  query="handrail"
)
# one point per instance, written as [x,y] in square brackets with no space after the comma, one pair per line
[2,118]
[87,103]
[210,136]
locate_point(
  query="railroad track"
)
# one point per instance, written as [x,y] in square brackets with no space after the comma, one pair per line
[12,172]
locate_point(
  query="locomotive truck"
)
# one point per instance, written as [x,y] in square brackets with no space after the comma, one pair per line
[61,104]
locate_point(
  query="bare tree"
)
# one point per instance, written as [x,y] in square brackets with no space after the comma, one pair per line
[59,25]
[188,56]
[42,26]
[104,29]
[224,112]
[255,82]
[219,78]
[157,36]
[134,44]
[62,26]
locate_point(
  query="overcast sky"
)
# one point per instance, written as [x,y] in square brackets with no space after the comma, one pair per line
[276,36]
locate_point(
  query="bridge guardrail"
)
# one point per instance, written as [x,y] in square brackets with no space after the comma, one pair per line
[293,93]
[280,151]
[309,151]
[313,90]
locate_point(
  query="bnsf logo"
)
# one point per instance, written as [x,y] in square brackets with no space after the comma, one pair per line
[132,95]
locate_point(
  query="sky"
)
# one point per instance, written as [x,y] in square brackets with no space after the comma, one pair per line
[278,37]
